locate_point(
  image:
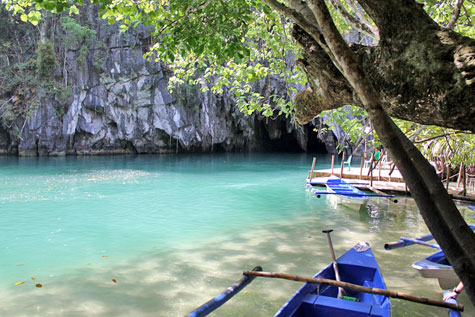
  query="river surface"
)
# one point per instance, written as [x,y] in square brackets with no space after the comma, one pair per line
[160,235]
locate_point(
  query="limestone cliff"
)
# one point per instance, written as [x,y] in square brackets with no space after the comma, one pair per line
[102,97]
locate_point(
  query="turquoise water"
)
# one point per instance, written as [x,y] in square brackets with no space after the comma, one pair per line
[159,235]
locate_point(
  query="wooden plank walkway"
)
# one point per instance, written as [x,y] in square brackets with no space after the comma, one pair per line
[381,181]
[362,174]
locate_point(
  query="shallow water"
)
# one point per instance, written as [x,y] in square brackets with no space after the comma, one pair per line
[160,235]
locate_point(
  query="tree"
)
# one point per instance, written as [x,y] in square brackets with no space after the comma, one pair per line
[419,71]
[407,18]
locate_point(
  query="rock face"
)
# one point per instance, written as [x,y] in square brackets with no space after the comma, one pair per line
[119,103]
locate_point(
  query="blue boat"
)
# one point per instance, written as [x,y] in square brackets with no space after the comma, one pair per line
[342,192]
[357,266]
[435,265]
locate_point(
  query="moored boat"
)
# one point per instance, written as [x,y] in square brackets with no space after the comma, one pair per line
[345,193]
[437,266]
[342,192]
[357,266]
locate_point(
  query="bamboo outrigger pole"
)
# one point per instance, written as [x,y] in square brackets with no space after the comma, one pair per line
[359,288]
[222,298]
[377,191]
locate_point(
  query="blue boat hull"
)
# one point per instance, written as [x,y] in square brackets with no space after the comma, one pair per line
[355,267]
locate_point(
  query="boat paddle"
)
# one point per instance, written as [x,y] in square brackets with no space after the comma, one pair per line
[341,291]
[359,288]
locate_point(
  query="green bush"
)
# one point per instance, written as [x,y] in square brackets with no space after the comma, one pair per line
[46,60]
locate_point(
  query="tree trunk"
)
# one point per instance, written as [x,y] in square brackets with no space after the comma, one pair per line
[436,206]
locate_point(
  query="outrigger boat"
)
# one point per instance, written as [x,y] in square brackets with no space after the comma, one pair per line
[435,265]
[342,192]
[357,266]
[356,271]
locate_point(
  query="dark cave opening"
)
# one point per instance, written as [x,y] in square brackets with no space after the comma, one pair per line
[314,143]
[286,143]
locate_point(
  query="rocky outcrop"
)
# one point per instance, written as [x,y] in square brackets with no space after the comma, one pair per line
[115,102]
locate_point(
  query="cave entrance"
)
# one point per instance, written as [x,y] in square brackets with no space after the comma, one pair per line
[314,144]
[286,143]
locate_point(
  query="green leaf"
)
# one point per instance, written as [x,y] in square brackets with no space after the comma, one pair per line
[24,17]
[49,5]
[73,10]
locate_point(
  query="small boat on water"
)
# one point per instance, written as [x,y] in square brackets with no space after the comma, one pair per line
[357,266]
[437,266]
[351,285]
[341,192]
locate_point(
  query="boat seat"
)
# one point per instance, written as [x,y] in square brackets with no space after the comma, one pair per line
[331,306]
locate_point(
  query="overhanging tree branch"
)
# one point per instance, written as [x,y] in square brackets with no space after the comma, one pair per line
[455,14]
[413,136]
[197,8]
[467,16]
[439,136]
[362,17]
[300,14]
[350,19]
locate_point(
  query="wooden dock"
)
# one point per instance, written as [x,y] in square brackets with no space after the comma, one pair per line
[383,177]
[382,181]
[362,174]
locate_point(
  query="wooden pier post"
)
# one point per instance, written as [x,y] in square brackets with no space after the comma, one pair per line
[370,165]
[459,178]
[333,162]
[379,170]
[391,170]
[377,191]
[342,165]
[361,165]
[371,174]
[313,167]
